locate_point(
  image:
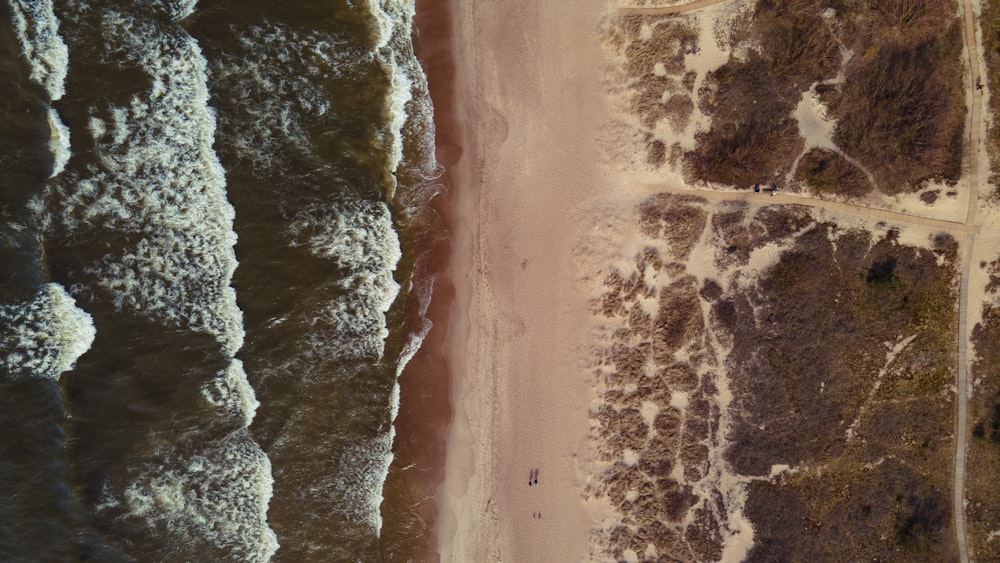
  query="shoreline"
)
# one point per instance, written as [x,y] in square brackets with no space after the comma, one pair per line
[441,56]
[425,410]
[425,407]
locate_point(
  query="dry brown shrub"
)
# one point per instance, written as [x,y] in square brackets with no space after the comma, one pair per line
[902,111]
[680,376]
[656,153]
[930,196]
[694,457]
[628,362]
[674,219]
[703,536]
[990,24]
[657,460]
[678,109]
[710,290]
[782,221]
[647,102]
[667,423]
[678,318]
[670,41]
[826,171]
[674,500]
[753,138]
[914,20]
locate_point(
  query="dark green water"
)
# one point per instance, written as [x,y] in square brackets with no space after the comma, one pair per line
[211,218]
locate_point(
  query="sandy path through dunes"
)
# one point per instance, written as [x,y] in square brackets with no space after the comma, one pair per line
[975,78]
[892,217]
[669,10]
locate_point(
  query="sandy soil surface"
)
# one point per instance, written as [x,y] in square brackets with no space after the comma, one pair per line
[530,92]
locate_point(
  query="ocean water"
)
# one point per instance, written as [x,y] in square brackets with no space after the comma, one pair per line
[212,225]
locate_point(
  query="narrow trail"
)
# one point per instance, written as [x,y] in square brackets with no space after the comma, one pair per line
[961,438]
[894,217]
[963,398]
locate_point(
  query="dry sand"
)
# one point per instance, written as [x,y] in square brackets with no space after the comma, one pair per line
[529,90]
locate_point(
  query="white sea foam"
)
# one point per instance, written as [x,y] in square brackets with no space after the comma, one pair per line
[424,292]
[219,495]
[366,466]
[278,106]
[44,337]
[231,392]
[392,22]
[58,143]
[160,182]
[179,9]
[358,237]
[395,53]
[37,30]
[160,186]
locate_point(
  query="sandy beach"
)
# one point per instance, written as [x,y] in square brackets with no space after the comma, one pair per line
[521,189]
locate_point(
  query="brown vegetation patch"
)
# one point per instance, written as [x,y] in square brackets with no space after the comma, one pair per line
[737,235]
[753,138]
[703,536]
[656,151]
[639,371]
[710,290]
[675,219]
[902,108]
[890,512]
[655,76]
[805,366]
[983,511]
[679,317]
[827,172]
[930,196]
[990,24]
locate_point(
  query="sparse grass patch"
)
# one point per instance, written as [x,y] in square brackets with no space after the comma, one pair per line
[654,50]
[673,218]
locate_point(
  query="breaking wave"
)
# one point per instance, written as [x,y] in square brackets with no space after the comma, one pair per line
[44,337]
[158,180]
[58,143]
[358,237]
[219,493]
[37,30]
